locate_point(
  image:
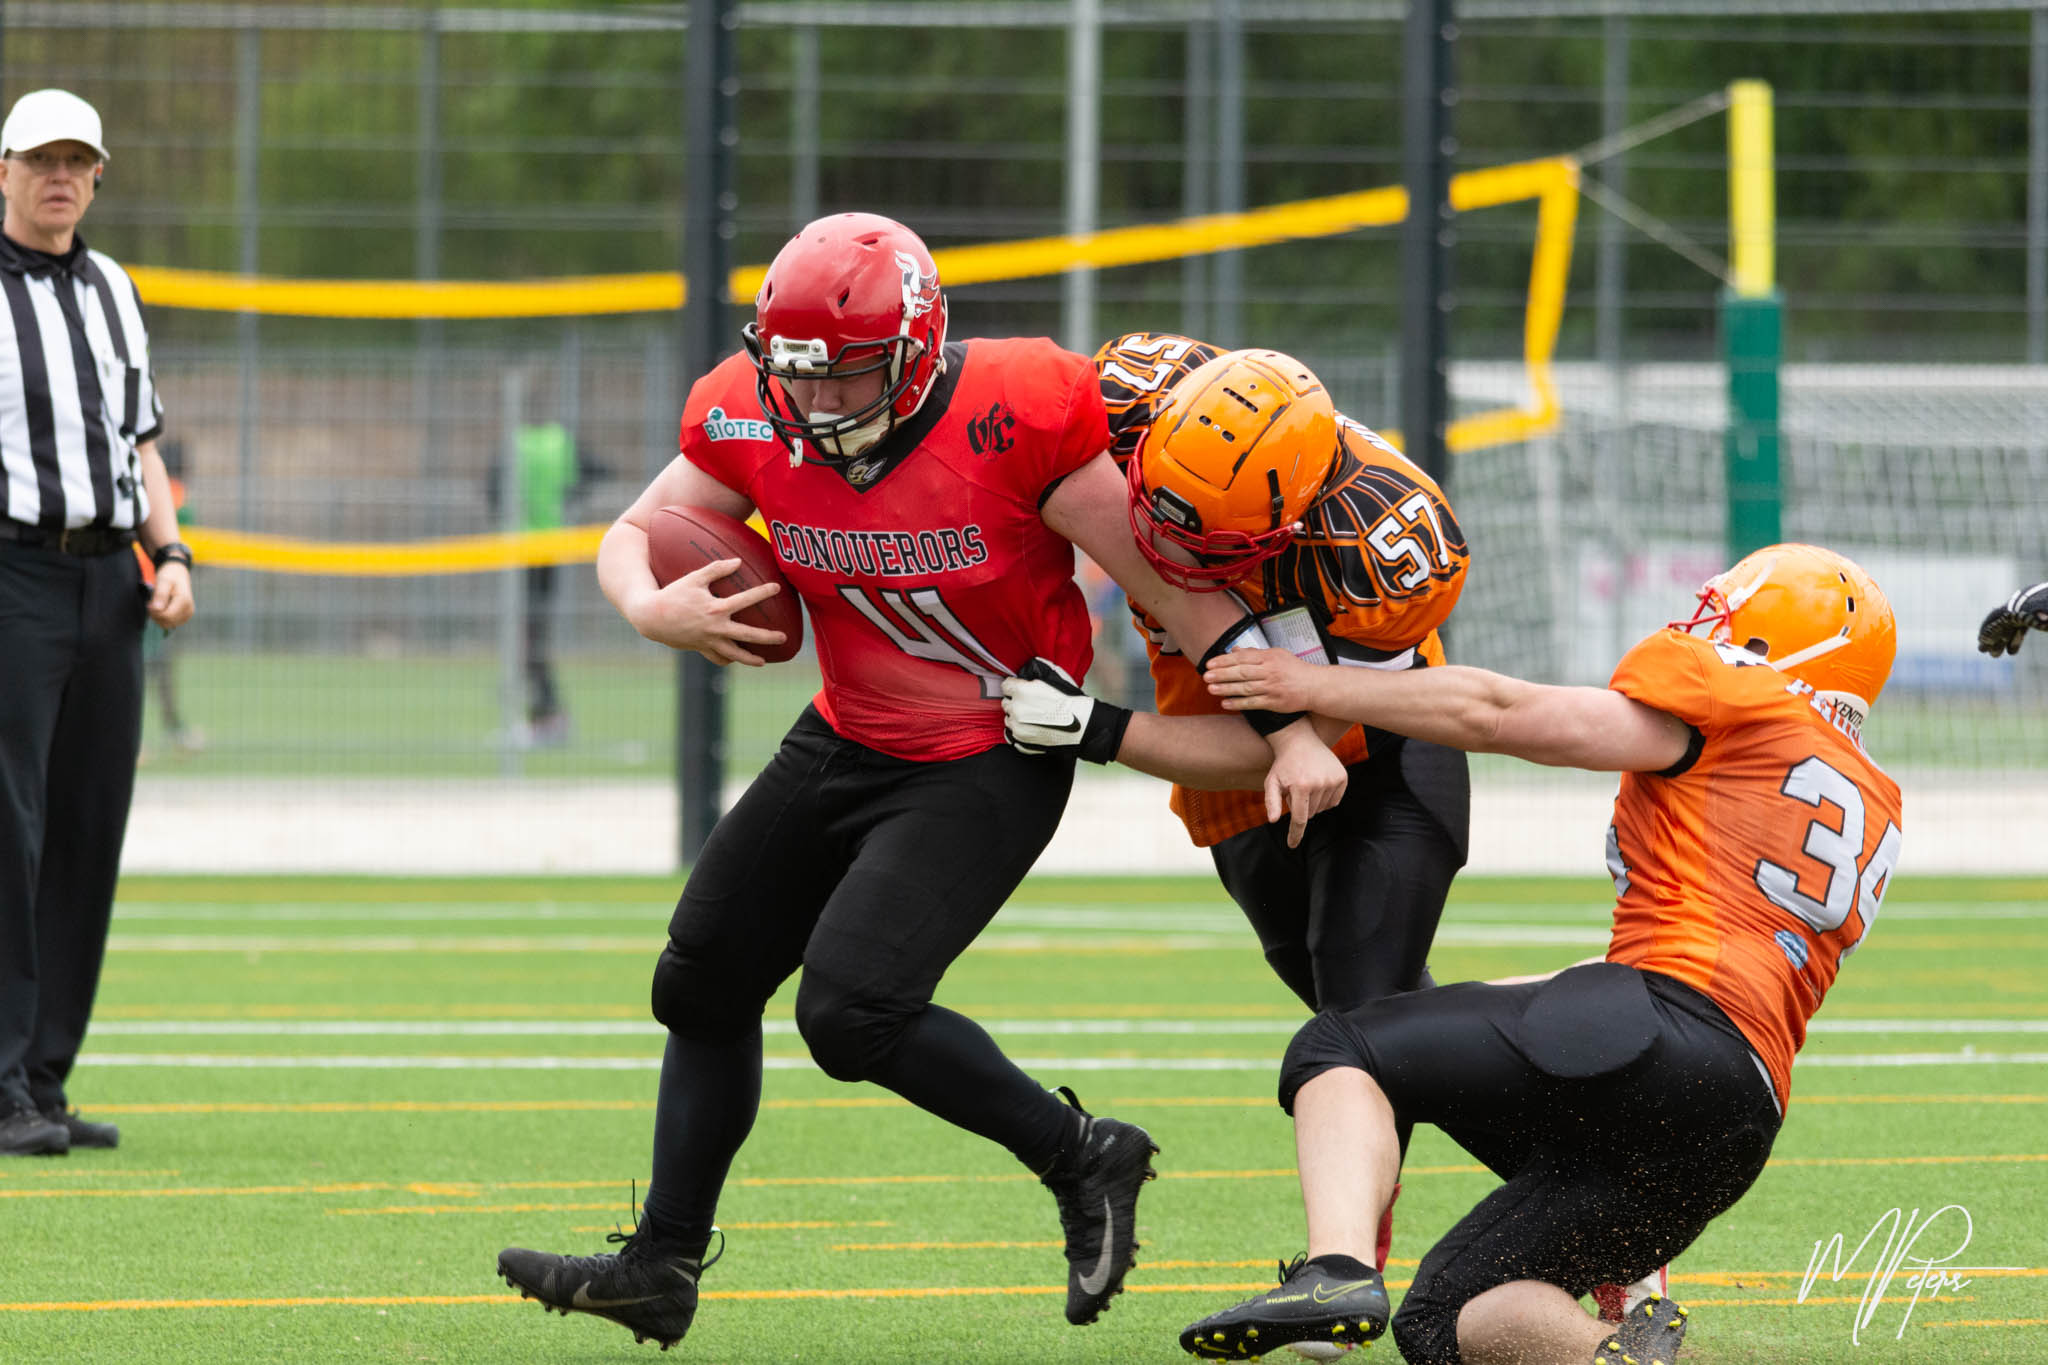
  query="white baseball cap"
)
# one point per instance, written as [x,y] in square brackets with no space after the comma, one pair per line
[44,116]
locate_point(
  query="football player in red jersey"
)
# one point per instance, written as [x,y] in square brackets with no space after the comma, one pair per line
[1243,479]
[924,498]
[1629,1102]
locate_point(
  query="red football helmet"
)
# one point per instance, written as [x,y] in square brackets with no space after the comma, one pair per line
[1235,454]
[848,295]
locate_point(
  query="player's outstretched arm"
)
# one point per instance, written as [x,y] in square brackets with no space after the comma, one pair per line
[1088,508]
[2009,623]
[686,614]
[1465,708]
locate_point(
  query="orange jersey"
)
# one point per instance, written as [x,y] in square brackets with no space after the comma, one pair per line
[1378,566]
[1750,874]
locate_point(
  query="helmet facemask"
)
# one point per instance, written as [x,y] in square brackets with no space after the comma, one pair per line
[1221,557]
[834,435]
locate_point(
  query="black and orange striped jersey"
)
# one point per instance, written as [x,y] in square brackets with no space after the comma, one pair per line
[1377,569]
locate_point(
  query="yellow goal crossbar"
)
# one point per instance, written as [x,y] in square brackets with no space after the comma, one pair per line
[1552,182]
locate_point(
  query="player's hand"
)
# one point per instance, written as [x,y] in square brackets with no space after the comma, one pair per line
[2006,626]
[1305,780]
[688,615]
[1045,711]
[170,601]
[1260,680]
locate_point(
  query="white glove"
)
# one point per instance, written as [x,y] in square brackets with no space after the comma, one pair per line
[1045,711]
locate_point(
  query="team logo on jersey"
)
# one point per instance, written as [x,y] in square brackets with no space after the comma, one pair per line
[719,427]
[920,291]
[990,433]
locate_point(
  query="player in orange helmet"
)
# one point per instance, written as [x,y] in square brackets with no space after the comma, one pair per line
[1245,480]
[1625,1103]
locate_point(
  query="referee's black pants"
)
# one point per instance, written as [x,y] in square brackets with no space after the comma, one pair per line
[70,728]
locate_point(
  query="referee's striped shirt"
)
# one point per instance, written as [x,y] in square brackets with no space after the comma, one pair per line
[76,392]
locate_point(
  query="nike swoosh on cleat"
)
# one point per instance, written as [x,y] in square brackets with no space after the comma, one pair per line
[581,1299]
[1093,1282]
[1325,1294]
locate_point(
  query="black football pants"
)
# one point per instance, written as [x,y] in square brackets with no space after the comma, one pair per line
[70,727]
[871,874]
[1349,915]
[1622,1108]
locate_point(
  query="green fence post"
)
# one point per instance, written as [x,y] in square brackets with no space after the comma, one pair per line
[1752,343]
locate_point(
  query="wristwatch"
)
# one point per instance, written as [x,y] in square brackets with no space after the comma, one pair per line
[176,552]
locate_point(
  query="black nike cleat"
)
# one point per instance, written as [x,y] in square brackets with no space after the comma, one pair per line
[1097,1188]
[1649,1335]
[1316,1301]
[649,1288]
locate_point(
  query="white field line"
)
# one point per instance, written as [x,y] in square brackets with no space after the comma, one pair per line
[1211,914]
[633,1028]
[212,1061]
[1133,938]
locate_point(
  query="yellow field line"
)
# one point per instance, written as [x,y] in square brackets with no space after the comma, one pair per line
[1731,1279]
[842,1181]
[898,1292]
[1987,1322]
[845,1102]
[475,1106]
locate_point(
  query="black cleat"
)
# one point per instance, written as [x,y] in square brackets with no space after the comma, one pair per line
[1649,1335]
[24,1132]
[1097,1188]
[649,1288]
[83,1131]
[1313,1303]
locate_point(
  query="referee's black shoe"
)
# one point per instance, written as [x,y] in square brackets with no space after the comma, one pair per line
[649,1287]
[1649,1335]
[83,1132]
[1335,1299]
[1096,1183]
[25,1132]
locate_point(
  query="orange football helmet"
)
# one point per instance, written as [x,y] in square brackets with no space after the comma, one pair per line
[1235,454]
[1811,613]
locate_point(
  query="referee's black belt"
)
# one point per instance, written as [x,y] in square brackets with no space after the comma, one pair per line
[77,540]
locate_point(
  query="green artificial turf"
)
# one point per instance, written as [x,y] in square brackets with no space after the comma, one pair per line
[332,1209]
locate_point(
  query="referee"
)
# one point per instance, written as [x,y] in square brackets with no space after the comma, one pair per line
[80,480]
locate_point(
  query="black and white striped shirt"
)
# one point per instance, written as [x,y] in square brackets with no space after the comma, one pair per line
[76,391]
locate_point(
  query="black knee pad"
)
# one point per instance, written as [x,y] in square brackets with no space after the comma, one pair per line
[1426,1333]
[1322,1044]
[850,1034]
[698,1000]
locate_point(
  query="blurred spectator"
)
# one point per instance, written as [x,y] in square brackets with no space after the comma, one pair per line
[159,648]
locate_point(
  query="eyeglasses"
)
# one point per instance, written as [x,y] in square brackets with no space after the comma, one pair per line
[42,162]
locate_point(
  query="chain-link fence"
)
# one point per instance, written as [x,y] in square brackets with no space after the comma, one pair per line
[542,140]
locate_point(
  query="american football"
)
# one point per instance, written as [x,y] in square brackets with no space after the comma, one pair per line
[681,540]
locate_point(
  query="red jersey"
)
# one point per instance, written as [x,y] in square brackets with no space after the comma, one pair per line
[1378,566]
[1752,872]
[924,565]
